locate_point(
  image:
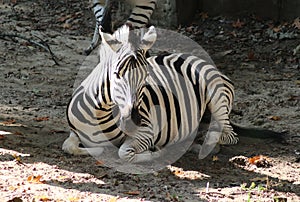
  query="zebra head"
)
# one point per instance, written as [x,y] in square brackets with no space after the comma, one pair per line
[128,73]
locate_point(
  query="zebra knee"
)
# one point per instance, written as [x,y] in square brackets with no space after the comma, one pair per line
[71,145]
[126,153]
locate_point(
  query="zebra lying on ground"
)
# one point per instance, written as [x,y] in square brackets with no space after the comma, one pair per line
[143,105]
[140,16]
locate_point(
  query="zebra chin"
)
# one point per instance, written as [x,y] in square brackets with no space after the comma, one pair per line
[128,126]
[131,123]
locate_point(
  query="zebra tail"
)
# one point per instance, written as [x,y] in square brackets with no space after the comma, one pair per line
[259,133]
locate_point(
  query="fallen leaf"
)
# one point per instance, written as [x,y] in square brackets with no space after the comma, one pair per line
[251,55]
[278,61]
[237,24]
[276,29]
[296,50]
[67,17]
[296,23]
[67,26]
[62,177]
[134,193]
[18,133]
[73,199]
[260,161]
[113,199]
[63,18]
[2,137]
[294,97]
[8,122]
[35,180]
[274,118]
[38,119]
[17,158]
[261,179]
[99,163]
[42,198]
[252,160]
[189,29]
[233,33]
[223,53]
[12,188]
[215,158]
[204,15]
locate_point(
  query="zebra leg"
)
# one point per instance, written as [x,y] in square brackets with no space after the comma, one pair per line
[71,146]
[130,152]
[141,13]
[196,148]
[102,16]
[220,131]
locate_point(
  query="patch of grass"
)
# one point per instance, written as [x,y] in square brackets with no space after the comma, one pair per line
[252,189]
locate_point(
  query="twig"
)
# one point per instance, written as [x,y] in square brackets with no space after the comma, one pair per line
[276,79]
[41,44]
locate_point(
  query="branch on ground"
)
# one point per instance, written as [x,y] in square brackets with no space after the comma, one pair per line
[41,43]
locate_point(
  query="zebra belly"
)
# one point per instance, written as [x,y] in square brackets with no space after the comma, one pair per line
[175,98]
[174,114]
[173,122]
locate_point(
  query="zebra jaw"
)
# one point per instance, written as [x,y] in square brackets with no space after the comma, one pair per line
[130,123]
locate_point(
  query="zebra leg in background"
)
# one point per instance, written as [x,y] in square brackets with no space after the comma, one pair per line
[71,146]
[103,21]
[141,13]
[211,141]
[132,150]
[220,131]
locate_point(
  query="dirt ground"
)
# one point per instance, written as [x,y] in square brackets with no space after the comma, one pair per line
[260,56]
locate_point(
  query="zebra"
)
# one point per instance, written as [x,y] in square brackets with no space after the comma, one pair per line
[142,105]
[180,87]
[140,16]
[91,113]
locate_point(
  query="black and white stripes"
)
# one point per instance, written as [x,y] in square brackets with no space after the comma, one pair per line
[140,16]
[144,105]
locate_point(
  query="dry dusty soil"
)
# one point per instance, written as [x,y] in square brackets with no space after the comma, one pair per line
[261,57]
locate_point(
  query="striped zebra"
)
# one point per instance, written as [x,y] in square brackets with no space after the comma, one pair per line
[92,115]
[140,16]
[143,105]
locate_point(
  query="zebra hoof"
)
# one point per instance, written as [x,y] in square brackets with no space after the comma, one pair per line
[88,51]
[127,154]
[71,146]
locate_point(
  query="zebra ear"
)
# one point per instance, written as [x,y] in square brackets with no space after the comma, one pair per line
[148,39]
[111,41]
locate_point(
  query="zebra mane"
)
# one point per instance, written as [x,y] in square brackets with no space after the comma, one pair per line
[122,34]
[117,40]
[113,47]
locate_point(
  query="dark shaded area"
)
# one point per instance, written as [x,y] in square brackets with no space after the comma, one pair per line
[278,10]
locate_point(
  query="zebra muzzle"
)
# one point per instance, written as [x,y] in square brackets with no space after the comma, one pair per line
[131,123]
